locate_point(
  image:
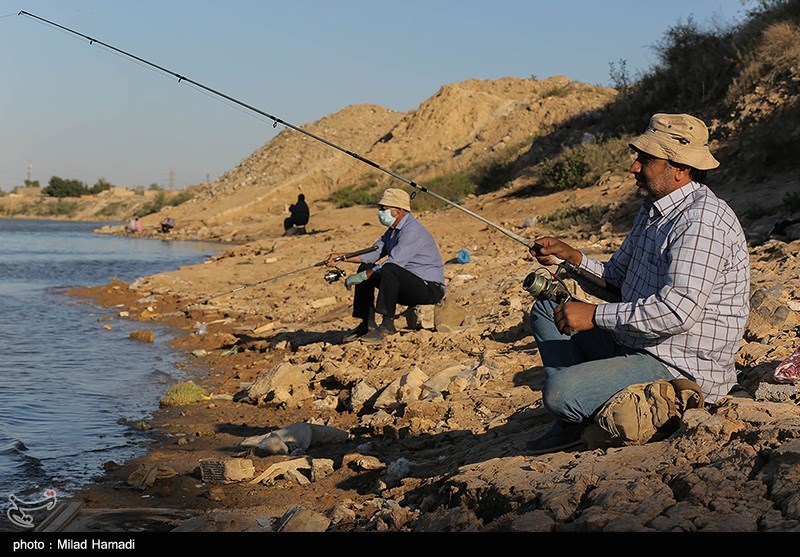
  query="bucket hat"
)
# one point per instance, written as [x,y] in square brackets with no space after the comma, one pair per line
[680,138]
[395,197]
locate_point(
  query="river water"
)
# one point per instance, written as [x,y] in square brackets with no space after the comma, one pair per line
[69,388]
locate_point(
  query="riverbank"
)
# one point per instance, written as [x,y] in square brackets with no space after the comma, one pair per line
[448,456]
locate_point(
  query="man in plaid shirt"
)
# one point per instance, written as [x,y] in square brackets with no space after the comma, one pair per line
[683,273]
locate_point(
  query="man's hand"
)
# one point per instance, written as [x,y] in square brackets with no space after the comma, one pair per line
[330,260]
[552,247]
[357,278]
[572,317]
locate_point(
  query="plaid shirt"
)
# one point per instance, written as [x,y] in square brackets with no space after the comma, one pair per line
[684,273]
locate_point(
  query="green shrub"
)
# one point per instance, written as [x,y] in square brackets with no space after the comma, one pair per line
[566,173]
[58,208]
[101,185]
[494,176]
[158,203]
[589,216]
[60,187]
[365,193]
[180,198]
[181,394]
[581,166]
[110,210]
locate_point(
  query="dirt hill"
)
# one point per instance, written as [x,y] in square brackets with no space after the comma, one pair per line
[462,125]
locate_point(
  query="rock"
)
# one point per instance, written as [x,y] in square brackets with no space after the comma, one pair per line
[320,468]
[402,389]
[143,336]
[282,375]
[777,393]
[360,394]
[111,466]
[226,469]
[340,514]
[448,315]
[534,521]
[419,317]
[330,402]
[440,381]
[361,462]
[300,519]
[767,315]
[323,302]
[399,469]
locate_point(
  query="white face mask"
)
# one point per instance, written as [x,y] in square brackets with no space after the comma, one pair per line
[386,217]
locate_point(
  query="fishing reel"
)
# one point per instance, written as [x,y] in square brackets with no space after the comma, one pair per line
[332,275]
[541,286]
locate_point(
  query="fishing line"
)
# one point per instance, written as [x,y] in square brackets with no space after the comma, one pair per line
[530,244]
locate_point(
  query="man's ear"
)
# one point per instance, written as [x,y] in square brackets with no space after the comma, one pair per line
[682,172]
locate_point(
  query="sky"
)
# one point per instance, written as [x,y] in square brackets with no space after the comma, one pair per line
[78,111]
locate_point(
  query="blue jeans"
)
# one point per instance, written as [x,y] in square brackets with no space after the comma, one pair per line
[583,370]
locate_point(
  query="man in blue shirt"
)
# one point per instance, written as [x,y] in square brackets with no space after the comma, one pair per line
[411,274]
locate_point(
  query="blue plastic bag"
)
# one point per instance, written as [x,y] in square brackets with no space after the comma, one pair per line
[463,256]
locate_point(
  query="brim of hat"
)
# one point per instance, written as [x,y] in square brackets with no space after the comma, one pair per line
[699,158]
[389,202]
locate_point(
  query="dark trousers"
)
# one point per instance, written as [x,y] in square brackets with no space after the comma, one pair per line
[294,220]
[395,285]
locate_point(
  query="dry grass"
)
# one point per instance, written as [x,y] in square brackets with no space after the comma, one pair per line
[182,394]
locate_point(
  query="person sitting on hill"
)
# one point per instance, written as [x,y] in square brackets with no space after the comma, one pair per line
[412,274]
[683,273]
[167,225]
[299,214]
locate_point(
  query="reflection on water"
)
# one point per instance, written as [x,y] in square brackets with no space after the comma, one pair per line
[67,385]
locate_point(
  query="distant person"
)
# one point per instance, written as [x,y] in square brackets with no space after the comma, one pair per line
[130,226]
[137,225]
[298,214]
[412,274]
[683,273]
[167,225]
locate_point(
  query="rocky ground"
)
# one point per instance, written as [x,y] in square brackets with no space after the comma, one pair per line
[437,420]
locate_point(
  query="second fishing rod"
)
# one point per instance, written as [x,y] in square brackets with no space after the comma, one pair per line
[571,268]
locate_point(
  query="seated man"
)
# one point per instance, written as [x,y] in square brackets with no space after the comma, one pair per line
[684,276]
[412,273]
[167,225]
[298,214]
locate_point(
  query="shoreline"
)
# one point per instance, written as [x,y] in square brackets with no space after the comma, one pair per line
[451,462]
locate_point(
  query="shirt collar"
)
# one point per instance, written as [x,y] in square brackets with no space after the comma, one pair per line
[402,222]
[672,200]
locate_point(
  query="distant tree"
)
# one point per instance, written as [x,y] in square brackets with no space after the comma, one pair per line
[155,187]
[60,187]
[620,77]
[101,185]
[32,184]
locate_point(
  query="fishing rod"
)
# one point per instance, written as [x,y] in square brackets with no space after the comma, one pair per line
[331,276]
[530,244]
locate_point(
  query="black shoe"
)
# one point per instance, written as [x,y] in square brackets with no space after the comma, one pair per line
[377,335]
[356,333]
[560,436]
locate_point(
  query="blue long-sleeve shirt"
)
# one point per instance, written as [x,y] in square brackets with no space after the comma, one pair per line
[409,245]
